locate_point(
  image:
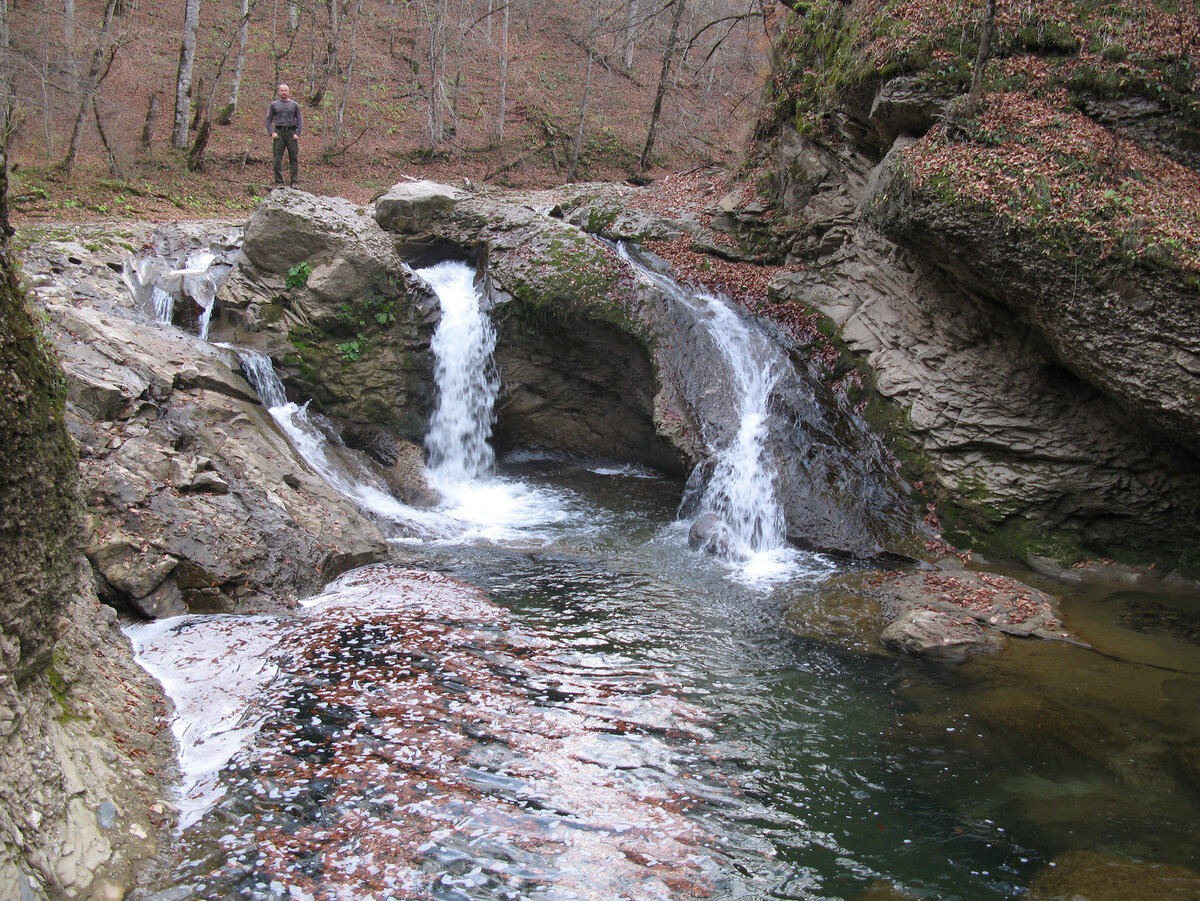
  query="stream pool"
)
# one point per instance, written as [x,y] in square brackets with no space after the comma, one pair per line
[566,702]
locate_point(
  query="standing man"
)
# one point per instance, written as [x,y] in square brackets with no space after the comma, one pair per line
[284,125]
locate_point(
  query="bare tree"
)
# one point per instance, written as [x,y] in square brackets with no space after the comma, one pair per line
[69,41]
[329,64]
[183,82]
[502,91]
[981,58]
[101,65]
[438,100]
[631,26]
[6,91]
[577,146]
[239,66]
[664,79]
[340,109]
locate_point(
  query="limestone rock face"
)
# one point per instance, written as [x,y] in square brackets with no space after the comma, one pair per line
[197,502]
[353,333]
[1044,412]
[73,705]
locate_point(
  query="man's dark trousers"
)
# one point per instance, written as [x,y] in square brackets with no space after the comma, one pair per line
[287,138]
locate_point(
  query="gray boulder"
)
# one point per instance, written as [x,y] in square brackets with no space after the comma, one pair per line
[712,535]
[411,207]
[355,336]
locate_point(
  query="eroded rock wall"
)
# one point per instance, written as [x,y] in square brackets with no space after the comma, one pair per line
[83,750]
[1049,408]
[196,501]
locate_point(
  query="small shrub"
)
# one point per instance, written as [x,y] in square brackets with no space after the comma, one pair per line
[297,276]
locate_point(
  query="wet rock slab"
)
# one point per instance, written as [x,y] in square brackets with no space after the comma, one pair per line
[949,616]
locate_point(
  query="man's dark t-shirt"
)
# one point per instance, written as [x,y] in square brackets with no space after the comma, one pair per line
[284,114]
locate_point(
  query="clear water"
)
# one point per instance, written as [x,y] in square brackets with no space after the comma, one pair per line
[620,717]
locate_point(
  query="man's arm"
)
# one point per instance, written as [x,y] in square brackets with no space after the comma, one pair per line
[271,119]
[299,121]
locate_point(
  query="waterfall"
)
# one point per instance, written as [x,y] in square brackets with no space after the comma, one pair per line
[466,378]
[342,471]
[741,489]
[261,374]
[156,287]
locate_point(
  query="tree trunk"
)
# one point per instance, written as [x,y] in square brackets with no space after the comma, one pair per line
[437,74]
[69,41]
[664,79]
[183,83]
[340,112]
[114,167]
[201,103]
[981,58]
[6,93]
[577,144]
[151,118]
[502,99]
[195,160]
[329,63]
[96,72]
[239,65]
[630,34]
[293,24]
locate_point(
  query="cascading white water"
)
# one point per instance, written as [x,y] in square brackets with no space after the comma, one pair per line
[741,490]
[316,450]
[260,372]
[466,378]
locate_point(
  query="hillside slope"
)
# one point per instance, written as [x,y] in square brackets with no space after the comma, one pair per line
[367,103]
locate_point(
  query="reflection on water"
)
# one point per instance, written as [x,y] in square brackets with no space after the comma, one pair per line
[614,716]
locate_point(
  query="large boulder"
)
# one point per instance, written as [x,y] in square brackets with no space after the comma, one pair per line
[322,291]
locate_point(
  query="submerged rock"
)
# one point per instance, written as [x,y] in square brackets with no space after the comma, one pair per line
[950,616]
[1099,877]
[711,534]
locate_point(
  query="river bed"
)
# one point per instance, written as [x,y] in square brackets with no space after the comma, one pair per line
[586,708]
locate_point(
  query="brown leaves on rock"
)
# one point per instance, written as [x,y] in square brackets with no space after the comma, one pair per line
[1056,172]
[985,593]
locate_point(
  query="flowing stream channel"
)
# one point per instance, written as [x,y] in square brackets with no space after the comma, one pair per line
[548,695]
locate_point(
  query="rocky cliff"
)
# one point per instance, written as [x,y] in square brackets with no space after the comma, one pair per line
[83,746]
[1018,286]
